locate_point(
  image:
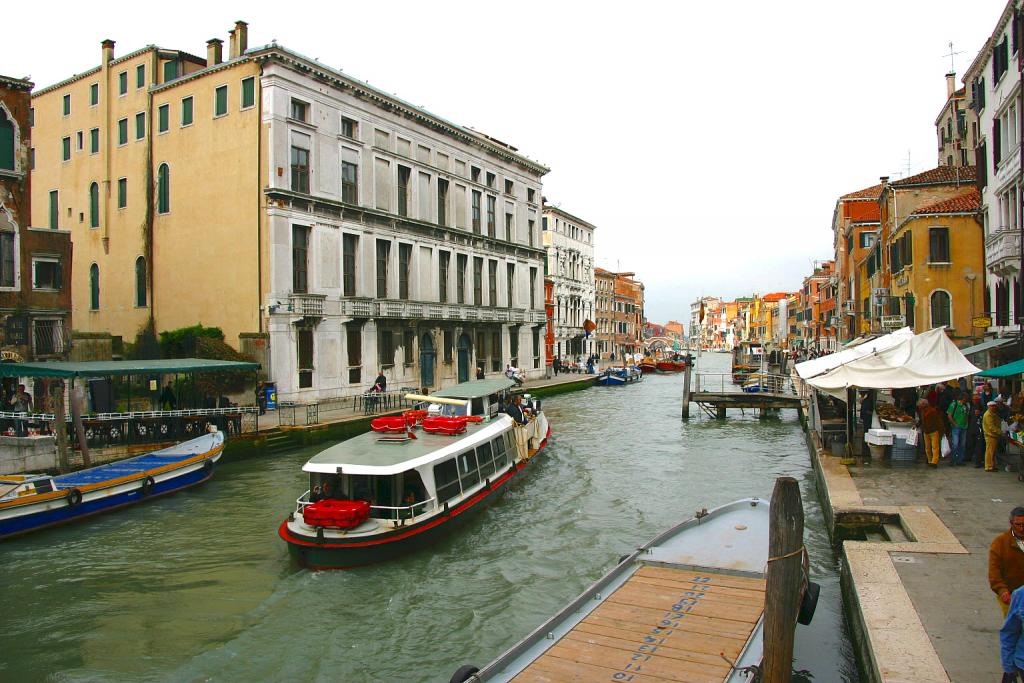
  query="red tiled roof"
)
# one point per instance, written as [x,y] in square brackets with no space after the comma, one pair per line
[775,296]
[940,175]
[867,193]
[964,202]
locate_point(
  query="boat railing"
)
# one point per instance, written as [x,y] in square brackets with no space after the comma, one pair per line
[725,383]
[379,511]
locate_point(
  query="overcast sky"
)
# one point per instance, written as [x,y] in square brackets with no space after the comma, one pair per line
[707,141]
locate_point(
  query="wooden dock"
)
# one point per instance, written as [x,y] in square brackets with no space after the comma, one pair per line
[662,624]
[717,393]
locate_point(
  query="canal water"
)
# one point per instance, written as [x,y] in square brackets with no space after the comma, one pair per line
[198,586]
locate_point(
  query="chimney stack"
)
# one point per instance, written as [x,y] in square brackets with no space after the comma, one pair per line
[884,179]
[108,51]
[214,51]
[241,37]
[232,44]
[950,84]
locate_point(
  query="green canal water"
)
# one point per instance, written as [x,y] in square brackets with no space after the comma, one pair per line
[198,586]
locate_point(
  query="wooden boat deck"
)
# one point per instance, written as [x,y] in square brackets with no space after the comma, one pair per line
[662,624]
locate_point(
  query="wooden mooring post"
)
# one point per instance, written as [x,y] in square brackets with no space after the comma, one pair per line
[686,392]
[784,579]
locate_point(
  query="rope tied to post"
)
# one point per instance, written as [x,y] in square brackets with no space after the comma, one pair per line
[787,555]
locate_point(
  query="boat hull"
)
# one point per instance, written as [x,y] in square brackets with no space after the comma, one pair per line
[311,553]
[60,507]
[670,367]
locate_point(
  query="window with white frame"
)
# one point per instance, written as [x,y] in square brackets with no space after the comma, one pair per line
[46,273]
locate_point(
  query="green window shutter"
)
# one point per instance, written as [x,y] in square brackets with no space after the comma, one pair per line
[53,209]
[94,287]
[67,105]
[122,193]
[122,132]
[94,94]
[94,206]
[122,83]
[94,140]
[248,92]
[170,71]
[140,125]
[163,190]
[140,75]
[221,101]
[6,142]
[186,111]
[164,113]
[66,148]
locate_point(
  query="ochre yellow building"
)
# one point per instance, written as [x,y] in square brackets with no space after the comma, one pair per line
[937,260]
[146,159]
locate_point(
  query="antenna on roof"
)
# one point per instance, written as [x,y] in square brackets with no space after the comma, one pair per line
[951,55]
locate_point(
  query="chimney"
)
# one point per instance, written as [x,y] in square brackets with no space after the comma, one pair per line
[950,84]
[884,180]
[108,51]
[214,50]
[232,44]
[242,37]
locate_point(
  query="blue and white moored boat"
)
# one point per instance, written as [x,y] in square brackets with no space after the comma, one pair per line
[30,502]
[687,606]
[613,377]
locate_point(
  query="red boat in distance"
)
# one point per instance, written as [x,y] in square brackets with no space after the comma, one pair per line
[670,365]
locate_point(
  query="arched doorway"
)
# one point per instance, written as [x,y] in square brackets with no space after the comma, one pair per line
[427,357]
[464,347]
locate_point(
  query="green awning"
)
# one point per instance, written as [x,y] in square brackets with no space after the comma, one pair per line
[1009,370]
[112,368]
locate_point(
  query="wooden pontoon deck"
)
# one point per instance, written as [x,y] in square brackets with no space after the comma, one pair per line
[663,624]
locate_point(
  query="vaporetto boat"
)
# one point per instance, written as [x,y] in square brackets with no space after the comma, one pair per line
[417,476]
[34,501]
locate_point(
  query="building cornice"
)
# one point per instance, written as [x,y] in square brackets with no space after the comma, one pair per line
[16,83]
[94,70]
[986,50]
[565,214]
[361,89]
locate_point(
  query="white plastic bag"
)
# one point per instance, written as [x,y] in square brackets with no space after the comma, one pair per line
[945,448]
[912,437]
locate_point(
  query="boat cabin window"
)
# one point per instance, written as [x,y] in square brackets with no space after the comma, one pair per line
[446,478]
[477,406]
[469,474]
[486,460]
[500,447]
[384,492]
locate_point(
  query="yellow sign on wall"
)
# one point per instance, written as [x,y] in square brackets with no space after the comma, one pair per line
[981,321]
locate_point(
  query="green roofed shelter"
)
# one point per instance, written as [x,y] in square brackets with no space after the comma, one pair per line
[1009,370]
[120,368]
[476,388]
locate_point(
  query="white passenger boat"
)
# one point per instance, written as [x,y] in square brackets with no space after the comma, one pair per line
[687,606]
[415,477]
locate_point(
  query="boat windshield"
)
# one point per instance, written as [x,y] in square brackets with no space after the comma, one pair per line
[395,496]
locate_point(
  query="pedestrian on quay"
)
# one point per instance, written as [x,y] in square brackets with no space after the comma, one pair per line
[479,372]
[959,413]
[992,427]
[380,384]
[933,426]
[555,365]
[167,400]
[975,438]
[867,408]
[1006,560]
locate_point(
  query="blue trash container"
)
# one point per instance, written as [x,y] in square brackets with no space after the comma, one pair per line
[271,395]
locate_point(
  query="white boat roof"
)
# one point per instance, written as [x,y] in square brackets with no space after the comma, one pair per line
[366,454]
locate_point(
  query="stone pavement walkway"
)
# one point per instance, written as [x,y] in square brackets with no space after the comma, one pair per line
[950,590]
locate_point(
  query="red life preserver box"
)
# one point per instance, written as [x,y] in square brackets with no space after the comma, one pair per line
[444,425]
[342,514]
[392,424]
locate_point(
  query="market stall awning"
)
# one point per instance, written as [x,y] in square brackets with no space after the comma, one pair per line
[986,345]
[1009,370]
[816,366]
[120,368]
[918,360]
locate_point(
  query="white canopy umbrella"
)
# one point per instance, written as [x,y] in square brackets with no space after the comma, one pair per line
[817,366]
[927,358]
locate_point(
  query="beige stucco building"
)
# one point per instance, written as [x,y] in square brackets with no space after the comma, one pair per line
[302,211]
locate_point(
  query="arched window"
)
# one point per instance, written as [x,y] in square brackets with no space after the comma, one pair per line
[940,308]
[94,287]
[6,141]
[140,281]
[94,205]
[163,189]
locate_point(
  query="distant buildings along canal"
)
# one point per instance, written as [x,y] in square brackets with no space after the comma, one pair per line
[569,242]
[328,227]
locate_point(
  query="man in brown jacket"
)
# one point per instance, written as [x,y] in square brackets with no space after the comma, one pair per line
[992,426]
[933,426]
[1006,560]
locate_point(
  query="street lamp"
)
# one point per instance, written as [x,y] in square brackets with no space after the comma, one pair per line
[971,277]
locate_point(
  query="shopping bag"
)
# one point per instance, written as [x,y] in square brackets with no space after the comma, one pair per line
[912,436]
[945,448]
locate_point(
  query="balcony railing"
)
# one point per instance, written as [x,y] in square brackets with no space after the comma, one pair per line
[307,304]
[318,305]
[1002,244]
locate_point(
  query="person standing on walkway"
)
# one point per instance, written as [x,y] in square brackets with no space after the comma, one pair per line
[992,426]
[1006,560]
[167,400]
[959,413]
[975,441]
[1011,645]
[933,426]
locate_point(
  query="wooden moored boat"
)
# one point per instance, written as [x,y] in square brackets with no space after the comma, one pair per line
[688,605]
[31,502]
[614,377]
[391,491]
